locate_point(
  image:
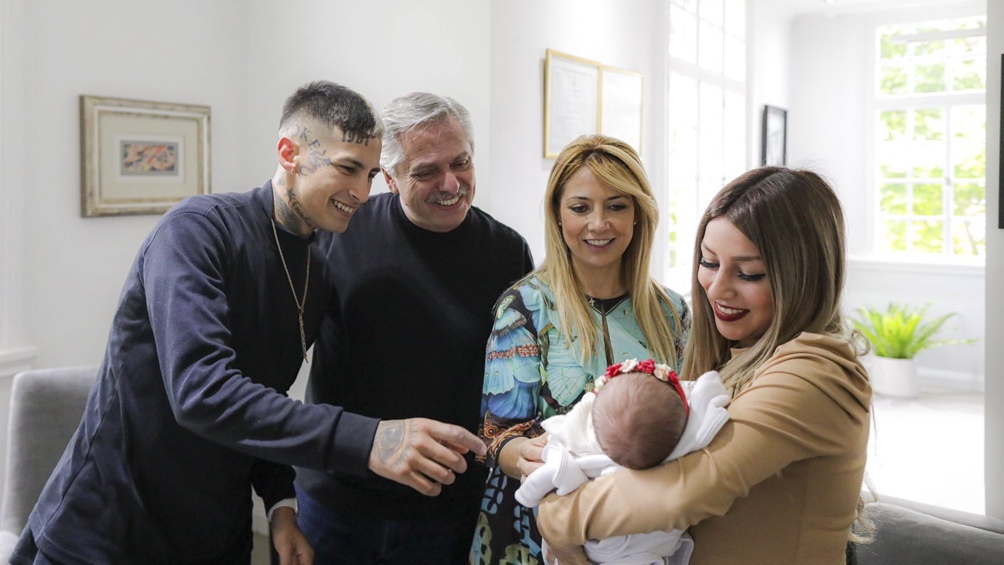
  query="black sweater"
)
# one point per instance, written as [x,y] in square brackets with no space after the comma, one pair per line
[406,338]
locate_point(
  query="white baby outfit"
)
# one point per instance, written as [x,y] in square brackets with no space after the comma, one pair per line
[572,456]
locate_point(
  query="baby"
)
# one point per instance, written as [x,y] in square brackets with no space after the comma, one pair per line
[636,417]
[638,420]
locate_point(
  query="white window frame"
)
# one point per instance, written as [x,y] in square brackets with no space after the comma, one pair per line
[876,104]
[689,205]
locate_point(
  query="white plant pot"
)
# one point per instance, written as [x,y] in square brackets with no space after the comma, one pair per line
[894,377]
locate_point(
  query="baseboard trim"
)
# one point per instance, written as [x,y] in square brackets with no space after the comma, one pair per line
[940,379]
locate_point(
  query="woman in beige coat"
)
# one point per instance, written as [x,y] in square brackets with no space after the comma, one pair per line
[781,481]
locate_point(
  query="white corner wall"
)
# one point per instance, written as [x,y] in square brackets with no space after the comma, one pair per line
[994,417]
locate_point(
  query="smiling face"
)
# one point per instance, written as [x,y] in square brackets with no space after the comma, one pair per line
[436,177]
[330,177]
[734,278]
[597,223]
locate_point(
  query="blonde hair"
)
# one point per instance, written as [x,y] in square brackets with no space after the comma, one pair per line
[794,219]
[617,165]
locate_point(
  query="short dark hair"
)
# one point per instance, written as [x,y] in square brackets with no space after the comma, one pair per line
[332,105]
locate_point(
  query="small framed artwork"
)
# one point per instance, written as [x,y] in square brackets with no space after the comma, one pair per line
[621,94]
[140,157]
[774,141]
[571,100]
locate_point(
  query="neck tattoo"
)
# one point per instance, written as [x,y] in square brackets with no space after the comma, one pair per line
[299,303]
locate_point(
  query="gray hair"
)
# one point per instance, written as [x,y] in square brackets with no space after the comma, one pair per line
[405,113]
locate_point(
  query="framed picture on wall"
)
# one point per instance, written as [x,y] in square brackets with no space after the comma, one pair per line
[140,157]
[774,139]
[571,99]
[621,95]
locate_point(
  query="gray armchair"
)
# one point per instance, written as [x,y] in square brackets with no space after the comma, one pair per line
[45,409]
[909,532]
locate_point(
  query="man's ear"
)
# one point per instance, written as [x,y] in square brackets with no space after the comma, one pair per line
[286,151]
[391,183]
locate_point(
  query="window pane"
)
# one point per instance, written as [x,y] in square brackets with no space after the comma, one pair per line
[734,135]
[893,124]
[892,79]
[893,237]
[969,123]
[735,18]
[927,236]
[928,159]
[682,35]
[735,58]
[710,52]
[969,237]
[929,78]
[970,75]
[682,160]
[969,199]
[929,123]
[888,48]
[893,199]
[969,161]
[682,100]
[927,200]
[934,48]
[712,11]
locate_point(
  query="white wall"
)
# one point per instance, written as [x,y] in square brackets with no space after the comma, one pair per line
[769,62]
[193,52]
[994,417]
[439,46]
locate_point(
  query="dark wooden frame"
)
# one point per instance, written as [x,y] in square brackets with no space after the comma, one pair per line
[770,114]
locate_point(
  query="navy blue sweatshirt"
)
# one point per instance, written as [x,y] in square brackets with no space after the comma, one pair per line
[189,410]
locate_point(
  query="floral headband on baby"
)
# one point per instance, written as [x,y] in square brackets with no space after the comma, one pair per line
[648,366]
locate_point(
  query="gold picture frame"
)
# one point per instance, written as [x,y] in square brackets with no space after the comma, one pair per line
[583,97]
[141,157]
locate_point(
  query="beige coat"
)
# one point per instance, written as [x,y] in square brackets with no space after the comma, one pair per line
[778,484]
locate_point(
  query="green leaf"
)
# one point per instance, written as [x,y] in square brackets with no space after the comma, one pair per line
[900,331]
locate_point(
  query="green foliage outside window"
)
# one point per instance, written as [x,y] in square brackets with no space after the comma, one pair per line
[931,154]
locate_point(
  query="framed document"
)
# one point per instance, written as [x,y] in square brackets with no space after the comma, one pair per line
[571,100]
[620,110]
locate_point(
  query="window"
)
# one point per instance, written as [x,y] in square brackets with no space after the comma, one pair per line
[930,132]
[706,117]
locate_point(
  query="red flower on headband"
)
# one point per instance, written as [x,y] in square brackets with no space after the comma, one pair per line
[648,366]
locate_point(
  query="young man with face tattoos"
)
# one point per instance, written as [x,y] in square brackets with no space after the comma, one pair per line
[406,336]
[189,411]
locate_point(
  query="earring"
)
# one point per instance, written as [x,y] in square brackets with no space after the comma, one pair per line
[636,222]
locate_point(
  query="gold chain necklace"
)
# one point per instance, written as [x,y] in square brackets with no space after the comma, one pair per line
[306,284]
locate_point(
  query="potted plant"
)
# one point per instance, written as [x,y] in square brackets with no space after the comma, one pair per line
[897,334]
